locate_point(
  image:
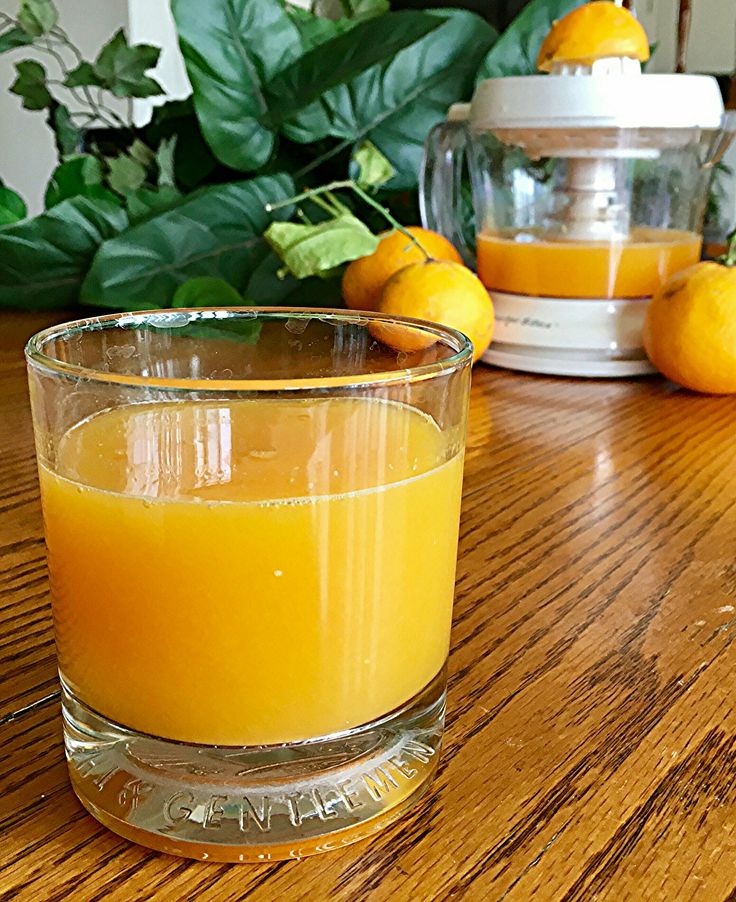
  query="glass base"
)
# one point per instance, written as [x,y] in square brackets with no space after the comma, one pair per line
[254,804]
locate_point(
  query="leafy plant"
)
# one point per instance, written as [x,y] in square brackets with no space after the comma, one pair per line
[232,48]
[174,212]
[215,232]
[515,52]
[44,261]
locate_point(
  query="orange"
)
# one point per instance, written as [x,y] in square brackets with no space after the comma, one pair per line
[364,278]
[439,291]
[591,32]
[690,329]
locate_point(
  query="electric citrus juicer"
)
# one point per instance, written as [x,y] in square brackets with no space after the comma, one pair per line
[588,189]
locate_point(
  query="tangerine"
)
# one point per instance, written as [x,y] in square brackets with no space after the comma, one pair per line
[365,277]
[593,31]
[439,291]
[690,328]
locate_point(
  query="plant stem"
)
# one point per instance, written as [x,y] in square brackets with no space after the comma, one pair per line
[98,111]
[390,218]
[119,121]
[108,116]
[684,14]
[363,195]
[63,38]
[340,207]
[323,205]
[47,48]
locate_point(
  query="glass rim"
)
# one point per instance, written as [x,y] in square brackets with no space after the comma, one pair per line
[36,356]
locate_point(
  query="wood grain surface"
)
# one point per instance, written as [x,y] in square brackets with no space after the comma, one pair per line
[591,741]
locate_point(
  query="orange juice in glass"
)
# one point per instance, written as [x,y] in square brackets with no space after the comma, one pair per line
[251,521]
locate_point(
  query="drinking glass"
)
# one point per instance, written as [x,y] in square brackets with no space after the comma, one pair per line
[251,518]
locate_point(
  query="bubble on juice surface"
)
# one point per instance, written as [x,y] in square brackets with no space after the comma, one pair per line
[123,351]
[297,325]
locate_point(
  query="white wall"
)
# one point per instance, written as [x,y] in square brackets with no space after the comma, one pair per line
[712,44]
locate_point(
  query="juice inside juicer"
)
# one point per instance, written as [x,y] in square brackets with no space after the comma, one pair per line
[589,188]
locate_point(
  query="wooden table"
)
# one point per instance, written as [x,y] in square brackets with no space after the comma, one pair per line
[591,742]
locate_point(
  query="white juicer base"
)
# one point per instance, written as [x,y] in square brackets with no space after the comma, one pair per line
[532,361]
[595,338]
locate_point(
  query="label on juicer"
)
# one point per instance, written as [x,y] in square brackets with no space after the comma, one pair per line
[583,324]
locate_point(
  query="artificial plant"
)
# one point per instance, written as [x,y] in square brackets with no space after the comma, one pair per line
[282,99]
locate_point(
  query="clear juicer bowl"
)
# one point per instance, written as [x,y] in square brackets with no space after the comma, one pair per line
[588,191]
[609,216]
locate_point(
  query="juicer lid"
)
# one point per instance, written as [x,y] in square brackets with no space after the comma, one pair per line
[605,101]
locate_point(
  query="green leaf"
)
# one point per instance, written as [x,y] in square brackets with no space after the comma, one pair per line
[77,176]
[193,160]
[141,152]
[364,8]
[231,49]
[206,291]
[214,232]
[12,207]
[147,202]
[316,30]
[44,260]
[122,68]
[30,84]
[165,162]
[515,52]
[373,168]
[173,111]
[308,250]
[395,104]
[125,173]
[14,37]
[37,17]
[268,287]
[83,75]
[66,134]
[342,59]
